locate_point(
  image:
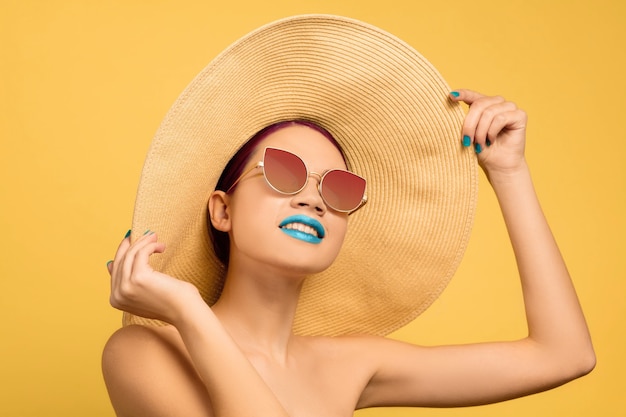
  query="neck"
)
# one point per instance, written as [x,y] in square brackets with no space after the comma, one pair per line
[258,311]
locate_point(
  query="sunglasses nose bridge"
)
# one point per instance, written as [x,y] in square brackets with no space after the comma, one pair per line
[313,195]
[317,175]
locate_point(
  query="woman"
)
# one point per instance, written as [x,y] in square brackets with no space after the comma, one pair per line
[237,354]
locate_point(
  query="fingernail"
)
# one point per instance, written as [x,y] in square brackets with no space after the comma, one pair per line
[478,148]
[454,93]
[146,232]
[467,141]
[109,263]
[127,234]
[488,142]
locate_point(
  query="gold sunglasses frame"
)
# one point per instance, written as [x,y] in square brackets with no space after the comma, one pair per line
[321,176]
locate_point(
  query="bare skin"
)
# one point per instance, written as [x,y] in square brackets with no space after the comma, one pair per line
[240,358]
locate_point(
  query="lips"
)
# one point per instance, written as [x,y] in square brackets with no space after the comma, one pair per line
[303,228]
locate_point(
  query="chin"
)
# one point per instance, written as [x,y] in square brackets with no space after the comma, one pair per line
[307,267]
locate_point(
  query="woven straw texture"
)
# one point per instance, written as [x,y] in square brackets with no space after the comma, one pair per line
[387,107]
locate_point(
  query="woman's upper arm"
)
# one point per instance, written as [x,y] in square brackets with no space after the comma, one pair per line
[147,372]
[462,375]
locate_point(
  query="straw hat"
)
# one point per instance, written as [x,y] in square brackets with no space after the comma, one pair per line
[387,107]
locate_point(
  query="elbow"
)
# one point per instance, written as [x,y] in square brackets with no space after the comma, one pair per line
[567,362]
[563,370]
[585,358]
[579,364]
[587,363]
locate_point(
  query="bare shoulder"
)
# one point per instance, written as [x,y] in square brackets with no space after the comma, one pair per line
[147,372]
[131,343]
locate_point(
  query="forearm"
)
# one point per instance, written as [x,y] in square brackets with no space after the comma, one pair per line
[555,318]
[234,385]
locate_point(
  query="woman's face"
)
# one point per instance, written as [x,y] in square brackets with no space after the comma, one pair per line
[275,229]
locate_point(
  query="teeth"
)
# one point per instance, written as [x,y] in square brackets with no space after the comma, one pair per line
[302,228]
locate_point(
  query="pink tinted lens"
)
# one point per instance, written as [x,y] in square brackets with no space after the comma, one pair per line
[342,190]
[284,171]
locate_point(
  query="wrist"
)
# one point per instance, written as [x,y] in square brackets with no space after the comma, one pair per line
[188,303]
[504,177]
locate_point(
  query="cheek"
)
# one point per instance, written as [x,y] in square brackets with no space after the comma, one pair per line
[253,218]
[337,231]
[336,234]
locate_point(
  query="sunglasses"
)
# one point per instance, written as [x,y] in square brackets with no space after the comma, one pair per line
[286,173]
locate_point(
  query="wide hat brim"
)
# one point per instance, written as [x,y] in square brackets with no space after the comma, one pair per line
[387,107]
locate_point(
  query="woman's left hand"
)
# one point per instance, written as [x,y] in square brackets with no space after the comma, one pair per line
[496,129]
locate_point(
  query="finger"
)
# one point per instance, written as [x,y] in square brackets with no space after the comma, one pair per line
[128,262]
[465,95]
[511,120]
[123,246]
[140,278]
[486,121]
[128,269]
[473,118]
[141,258]
[119,253]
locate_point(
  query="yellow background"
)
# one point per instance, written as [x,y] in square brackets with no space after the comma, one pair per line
[84,85]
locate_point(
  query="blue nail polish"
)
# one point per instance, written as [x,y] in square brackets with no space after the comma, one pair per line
[454,93]
[467,141]
[478,148]
[146,232]
[488,143]
[127,234]
[109,263]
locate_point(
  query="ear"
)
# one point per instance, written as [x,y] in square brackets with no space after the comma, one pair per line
[219,212]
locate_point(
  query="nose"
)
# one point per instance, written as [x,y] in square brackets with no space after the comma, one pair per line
[310,196]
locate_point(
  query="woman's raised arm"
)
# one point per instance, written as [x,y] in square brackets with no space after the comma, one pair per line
[558,346]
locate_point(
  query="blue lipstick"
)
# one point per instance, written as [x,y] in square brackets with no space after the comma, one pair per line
[290,226]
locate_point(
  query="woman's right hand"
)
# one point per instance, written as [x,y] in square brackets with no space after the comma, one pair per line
[140,290]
